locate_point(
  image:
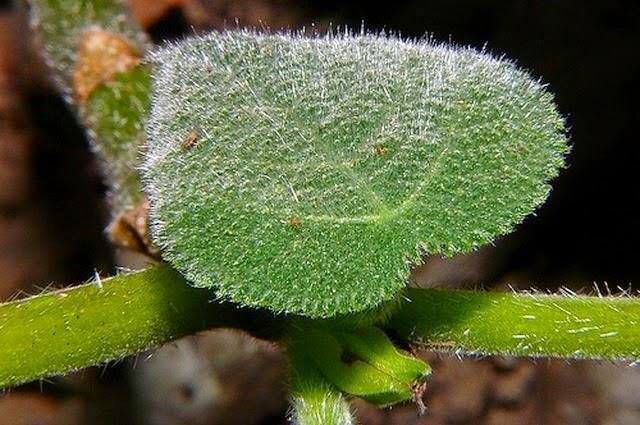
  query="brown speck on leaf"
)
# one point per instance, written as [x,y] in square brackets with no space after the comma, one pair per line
[191,139]
[295,222]
[101,55]
[522,148]
[380,150]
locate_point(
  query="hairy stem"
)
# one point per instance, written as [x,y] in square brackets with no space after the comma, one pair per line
[61,331]
[64,330]
[521,324]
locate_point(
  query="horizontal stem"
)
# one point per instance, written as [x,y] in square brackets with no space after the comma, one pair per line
[61,331]
[521,324]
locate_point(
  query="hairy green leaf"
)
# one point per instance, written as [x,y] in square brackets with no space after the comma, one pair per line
[306,175]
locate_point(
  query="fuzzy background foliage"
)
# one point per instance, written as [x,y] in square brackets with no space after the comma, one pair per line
[94,49]
[305,175]
[60,24]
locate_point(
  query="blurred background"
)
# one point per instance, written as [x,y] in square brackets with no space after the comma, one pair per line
[52,218]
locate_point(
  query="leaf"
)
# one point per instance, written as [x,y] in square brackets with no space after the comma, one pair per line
[322,167]
[361,362]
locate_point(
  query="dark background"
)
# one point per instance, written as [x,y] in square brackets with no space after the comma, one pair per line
[52,213]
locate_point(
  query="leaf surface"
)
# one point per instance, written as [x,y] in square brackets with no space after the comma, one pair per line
[306,175]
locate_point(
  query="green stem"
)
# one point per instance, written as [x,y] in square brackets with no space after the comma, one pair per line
[64,330]
[60,331]
[521,324]
[115,116]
